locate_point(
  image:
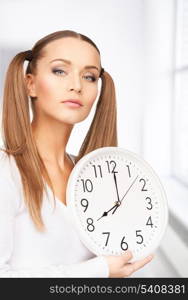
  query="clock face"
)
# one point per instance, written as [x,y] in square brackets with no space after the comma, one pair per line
[117,202]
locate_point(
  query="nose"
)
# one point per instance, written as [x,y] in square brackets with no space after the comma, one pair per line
[74,84]
[78,90]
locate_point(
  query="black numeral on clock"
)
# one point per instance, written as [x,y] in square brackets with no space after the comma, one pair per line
[150,205]
[90,226]
[97,170]
[139,236]
[107,239]
[149,222]
[144,184]
[128,167]
[124,245]
[84,202]
[87,185]
[111,166]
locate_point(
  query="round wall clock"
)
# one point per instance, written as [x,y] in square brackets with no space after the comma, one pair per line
[117,202]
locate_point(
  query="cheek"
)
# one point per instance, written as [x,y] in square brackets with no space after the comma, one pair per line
[47,94]
[92,95]
[45,88]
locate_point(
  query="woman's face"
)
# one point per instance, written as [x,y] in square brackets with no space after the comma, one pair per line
[69,70]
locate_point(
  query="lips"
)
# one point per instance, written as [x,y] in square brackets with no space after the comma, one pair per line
[76,101]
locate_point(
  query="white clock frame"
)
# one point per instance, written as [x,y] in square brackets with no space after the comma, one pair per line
[154,179]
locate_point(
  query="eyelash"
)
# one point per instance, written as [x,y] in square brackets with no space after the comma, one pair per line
[56,71]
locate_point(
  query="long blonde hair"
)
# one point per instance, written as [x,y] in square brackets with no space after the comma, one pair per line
[16,124]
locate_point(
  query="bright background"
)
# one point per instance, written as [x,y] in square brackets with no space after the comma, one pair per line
[144,46]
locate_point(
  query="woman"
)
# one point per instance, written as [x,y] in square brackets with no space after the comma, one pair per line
[37,239]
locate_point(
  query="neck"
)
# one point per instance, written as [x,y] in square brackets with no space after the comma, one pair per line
[51,138]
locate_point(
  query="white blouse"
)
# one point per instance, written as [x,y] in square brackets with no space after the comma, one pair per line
[26,252]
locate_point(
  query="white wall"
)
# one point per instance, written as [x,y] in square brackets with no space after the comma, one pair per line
[157,109]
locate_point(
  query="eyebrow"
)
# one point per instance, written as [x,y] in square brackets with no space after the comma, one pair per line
[69,63]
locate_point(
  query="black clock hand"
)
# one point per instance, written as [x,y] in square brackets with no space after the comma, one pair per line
[117,203]
[106,212]
[125,194]
[115,180]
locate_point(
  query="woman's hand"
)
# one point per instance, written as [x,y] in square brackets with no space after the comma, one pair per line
[119,266]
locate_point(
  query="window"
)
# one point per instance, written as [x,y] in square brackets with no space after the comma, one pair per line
[180,107]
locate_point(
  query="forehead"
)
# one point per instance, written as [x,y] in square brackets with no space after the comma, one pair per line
[77,51]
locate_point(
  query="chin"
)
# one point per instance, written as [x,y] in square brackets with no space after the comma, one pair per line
[74,119]
[71,121]
[69,118]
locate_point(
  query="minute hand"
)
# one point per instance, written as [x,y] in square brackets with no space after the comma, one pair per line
[125,194]
[115,180]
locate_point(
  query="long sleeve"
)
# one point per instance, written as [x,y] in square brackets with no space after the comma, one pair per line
[95,267]
[92,268]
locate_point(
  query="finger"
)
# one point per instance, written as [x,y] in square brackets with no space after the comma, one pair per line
[127,270]
[141,263]
[126,256]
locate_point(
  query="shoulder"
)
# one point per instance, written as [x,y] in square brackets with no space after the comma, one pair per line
[8,166]
[8,169]
[9,192]
[5,164]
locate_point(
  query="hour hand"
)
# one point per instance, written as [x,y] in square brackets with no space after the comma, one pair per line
[105,213]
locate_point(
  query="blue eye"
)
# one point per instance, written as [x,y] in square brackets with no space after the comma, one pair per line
[91,78]
[62,72]
[58,71]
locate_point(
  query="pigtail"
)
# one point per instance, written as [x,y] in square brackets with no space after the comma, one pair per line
[103,129]
[17,136]
[15,120]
